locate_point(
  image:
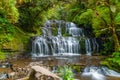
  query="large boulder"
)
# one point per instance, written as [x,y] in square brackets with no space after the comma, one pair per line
[40,73]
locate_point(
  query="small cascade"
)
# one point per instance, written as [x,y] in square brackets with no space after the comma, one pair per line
[98,73]
[44,30]
[76,31]
[73,30]
[65,46]
[88,46]
[49,44]
[59,31]
[91,46]
[70,25]
[40,47]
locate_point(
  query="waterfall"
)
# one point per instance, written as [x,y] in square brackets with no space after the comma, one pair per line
[91,46]
[59,31]
[76,31]
[40,47]
[49,44]
[44,31]
[65,46]
[95,45]
[88,46]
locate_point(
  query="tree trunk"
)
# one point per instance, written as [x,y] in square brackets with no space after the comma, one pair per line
[115,37]
[112,28]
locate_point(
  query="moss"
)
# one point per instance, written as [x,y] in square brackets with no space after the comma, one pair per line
[55,31]
[2,55]
[17,44]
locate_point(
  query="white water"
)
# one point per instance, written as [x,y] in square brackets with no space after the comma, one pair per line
[64,46]
[98,73]
[88,46]
[48,44]
[76,31]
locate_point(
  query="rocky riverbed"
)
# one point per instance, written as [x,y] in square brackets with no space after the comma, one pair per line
[20,68]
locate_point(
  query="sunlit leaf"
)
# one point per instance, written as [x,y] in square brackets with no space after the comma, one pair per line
[113,8]
[117,18]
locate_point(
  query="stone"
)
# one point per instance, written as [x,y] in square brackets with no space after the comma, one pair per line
[41,73]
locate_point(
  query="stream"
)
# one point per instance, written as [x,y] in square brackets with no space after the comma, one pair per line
[19,65]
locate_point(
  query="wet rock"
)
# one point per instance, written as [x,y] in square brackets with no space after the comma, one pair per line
[5,65]
[3,76]
[38,63]
[12,75]
[25,78]
[40,73]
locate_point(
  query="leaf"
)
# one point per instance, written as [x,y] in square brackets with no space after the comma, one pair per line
[117,18]
[86,16]
[113,8]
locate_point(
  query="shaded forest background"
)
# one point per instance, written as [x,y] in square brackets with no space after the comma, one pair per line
[21,19]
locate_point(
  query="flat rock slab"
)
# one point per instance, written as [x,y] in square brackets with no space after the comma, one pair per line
[46,72]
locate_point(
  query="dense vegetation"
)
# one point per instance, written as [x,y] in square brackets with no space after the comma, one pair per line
[20,19]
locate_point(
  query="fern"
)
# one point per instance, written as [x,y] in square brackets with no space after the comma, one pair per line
[117,18]
[66,73]
[84,17]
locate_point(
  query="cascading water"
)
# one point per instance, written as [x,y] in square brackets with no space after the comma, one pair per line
[48,44]
[76,31]
[65,46]
[98,73]
[88,46]
[40,47]
[73,30]
[95,45]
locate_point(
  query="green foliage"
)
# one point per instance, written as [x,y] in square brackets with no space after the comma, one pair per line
[101,20]
[2,55]
[116,57]
[114,61]
[6,31]
[104,12]
[75,11]
[8,16]
[75,68]
[82,41]
[117,18]
[9,11]
[6,27]
[85,17]
[34,13]
[108,47]
[53,13]
[66,73]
